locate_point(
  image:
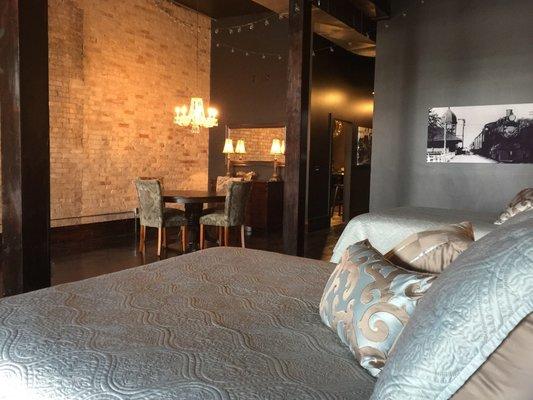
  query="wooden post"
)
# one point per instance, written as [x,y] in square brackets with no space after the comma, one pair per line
[25,145]
[297,137]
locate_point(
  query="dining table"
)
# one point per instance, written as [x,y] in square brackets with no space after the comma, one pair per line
[194,201]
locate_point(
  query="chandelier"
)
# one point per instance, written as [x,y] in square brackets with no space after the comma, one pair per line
[195,115]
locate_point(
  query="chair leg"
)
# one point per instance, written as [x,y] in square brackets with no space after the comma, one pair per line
[142,238]
[184,239]
[165,238]
[226,236]
[243,244]
[159,240]
[220,238]
[202,236]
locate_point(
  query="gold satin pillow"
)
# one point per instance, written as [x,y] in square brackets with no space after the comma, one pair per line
[508,372]
[432,250]
[523,201]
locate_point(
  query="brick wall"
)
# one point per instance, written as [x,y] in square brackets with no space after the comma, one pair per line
[117,70]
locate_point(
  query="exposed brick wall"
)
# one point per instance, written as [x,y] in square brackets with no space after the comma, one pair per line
[258,142]
[117,70]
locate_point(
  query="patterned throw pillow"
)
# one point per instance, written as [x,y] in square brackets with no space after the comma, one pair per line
[368,301]
[432,250]
[523,201]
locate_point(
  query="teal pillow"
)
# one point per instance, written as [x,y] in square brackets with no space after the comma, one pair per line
[368,301]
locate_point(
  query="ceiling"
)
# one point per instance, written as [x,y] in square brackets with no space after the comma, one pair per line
[223,8]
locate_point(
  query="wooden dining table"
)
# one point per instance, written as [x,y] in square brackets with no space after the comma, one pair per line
[194,201]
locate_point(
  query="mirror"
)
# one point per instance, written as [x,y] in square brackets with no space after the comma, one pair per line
[257,142]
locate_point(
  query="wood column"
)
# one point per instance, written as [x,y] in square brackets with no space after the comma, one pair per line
[25,145]
[297,139]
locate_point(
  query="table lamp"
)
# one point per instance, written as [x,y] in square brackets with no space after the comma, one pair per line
[229,150]
[276,151]
[240,149]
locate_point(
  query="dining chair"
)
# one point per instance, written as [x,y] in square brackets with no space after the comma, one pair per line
[154,214]
[234,213]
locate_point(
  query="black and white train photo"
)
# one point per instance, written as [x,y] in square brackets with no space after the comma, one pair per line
[481,134]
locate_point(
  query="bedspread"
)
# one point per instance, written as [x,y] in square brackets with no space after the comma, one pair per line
[217,324]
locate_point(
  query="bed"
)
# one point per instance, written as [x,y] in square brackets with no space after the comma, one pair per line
[385,229]
[223,323]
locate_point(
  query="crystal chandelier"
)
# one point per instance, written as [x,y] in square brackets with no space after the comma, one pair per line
[195,116]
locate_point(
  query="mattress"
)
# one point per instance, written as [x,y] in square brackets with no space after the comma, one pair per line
[223,323]
[385,229]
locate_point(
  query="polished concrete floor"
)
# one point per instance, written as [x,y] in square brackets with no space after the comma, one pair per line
[75,261]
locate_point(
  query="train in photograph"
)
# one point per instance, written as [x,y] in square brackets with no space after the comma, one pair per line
[507,140]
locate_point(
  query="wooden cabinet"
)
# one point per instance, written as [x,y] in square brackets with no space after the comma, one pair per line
[265,209]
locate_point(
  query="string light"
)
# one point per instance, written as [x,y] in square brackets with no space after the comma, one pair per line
[266,21]
[247,53]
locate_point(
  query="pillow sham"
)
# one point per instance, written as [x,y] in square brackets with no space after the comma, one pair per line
[465,315]
[507,372]
[432,250]
[368,300]
[523,201]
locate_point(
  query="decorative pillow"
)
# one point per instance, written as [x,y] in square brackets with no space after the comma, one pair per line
[523,201]
[465,315]
[433,250]
[247,176]
[368,301]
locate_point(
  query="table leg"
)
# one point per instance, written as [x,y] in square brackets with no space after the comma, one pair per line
[193,212]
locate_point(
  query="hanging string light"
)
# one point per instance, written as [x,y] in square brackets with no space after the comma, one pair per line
[246,52]
[265,21]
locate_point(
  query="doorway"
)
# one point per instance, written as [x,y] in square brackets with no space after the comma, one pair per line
[341,161]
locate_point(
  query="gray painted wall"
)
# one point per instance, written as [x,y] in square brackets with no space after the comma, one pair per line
[447,52]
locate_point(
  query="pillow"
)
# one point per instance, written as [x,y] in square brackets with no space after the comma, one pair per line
[507,372]
[523,201]
[247,176]
[432,250]
[368,300]
[465,315]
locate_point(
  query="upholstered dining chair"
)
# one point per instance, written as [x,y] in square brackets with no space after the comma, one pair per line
[234,213]
[153,214]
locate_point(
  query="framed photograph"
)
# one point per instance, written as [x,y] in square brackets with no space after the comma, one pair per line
[481,134]
[364,145]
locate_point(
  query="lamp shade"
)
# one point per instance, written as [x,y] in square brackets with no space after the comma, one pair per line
[228,147]
[240,148]
[276,147]
[283,147]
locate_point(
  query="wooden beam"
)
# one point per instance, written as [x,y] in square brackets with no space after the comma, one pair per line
[347,12]
[24,145]
[375,9]
[297,136]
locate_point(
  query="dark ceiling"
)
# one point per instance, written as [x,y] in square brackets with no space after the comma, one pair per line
[223,8]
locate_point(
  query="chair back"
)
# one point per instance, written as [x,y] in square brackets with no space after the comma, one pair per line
[222,182]
[236,202]
[151,206]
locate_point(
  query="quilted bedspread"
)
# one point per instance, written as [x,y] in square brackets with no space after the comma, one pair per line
[217,324]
